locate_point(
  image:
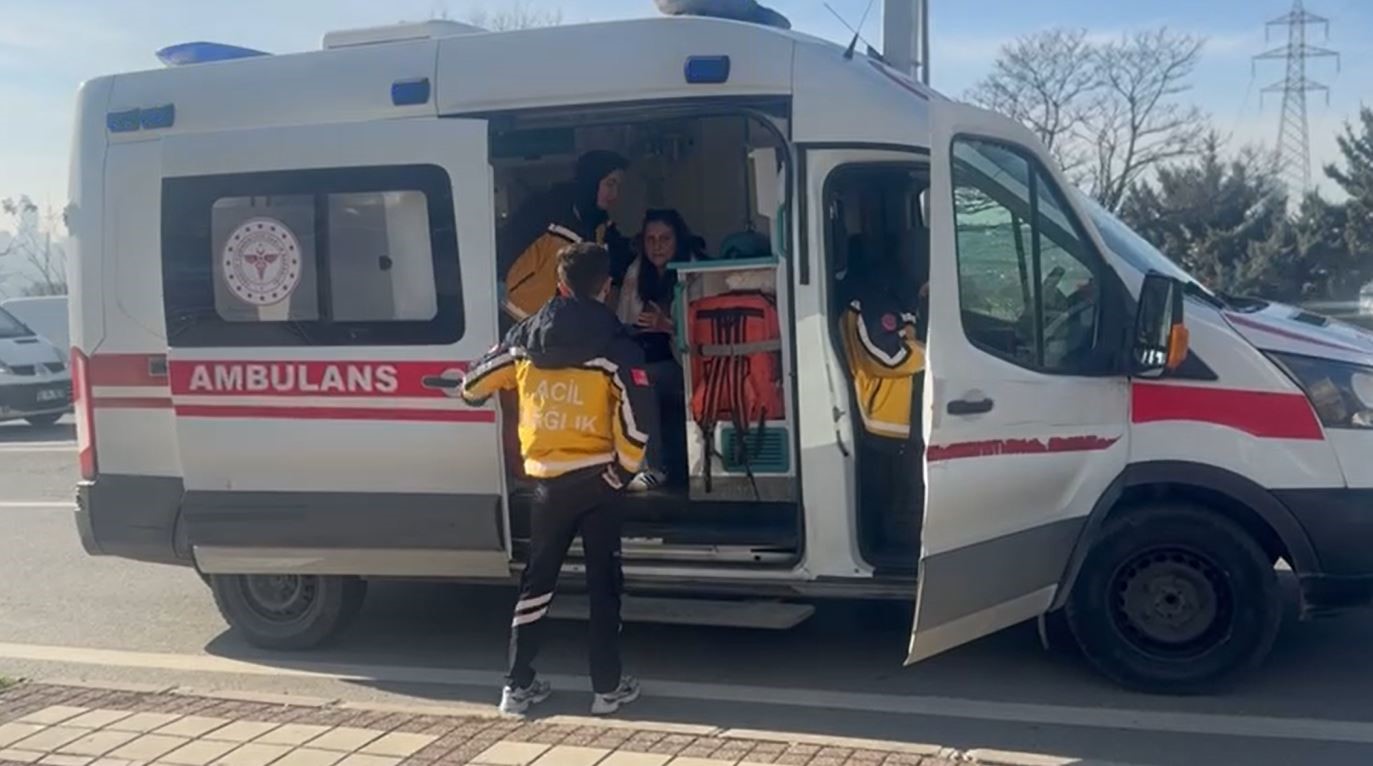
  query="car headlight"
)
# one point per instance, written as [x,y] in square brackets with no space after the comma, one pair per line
[1342,393]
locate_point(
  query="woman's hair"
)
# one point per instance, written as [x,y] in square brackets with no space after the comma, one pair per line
[655,287]
[688,244]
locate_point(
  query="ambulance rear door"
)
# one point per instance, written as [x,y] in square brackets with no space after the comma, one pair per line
[324,285]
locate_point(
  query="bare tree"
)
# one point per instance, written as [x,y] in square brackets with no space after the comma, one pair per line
[1136,122]
[518,15]
[1109,112]
[44,261]
[1044,80]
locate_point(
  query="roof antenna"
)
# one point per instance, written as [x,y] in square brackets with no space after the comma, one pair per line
[846,23]
[848,52]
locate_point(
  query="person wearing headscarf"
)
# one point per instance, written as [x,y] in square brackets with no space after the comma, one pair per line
[570,213]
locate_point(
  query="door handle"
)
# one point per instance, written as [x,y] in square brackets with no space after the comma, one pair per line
[449,382]
[969,407]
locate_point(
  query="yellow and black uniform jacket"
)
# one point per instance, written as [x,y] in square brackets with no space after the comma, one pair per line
[884,357]
[584,397]
[533,277]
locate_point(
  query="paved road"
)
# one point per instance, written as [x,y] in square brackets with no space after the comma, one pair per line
[839,673]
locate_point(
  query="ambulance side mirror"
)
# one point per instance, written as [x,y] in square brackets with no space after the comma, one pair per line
[1160,340]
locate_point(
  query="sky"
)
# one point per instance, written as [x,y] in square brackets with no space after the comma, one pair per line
[48,47]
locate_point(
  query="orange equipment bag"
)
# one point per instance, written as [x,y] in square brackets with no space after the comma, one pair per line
[736,366]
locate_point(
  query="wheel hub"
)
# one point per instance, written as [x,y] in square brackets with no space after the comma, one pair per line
[280,598]
[1171,600]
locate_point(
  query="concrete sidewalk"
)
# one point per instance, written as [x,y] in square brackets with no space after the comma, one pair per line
[68,725]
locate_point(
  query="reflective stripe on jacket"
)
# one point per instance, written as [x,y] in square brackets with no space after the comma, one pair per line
[584,398]
[884,356]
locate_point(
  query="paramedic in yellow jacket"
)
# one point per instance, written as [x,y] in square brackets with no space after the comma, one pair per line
[587,412]
[884,355]
[568,214]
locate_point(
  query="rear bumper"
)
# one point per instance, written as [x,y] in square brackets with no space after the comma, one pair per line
[1339,523]
[133,517]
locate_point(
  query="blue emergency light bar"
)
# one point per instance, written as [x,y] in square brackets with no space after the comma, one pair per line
[707,70]
[204,53]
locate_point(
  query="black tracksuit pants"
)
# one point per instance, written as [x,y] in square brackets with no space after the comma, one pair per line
[577,502]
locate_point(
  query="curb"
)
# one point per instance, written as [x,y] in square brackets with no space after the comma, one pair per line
[913,748]
[262,698]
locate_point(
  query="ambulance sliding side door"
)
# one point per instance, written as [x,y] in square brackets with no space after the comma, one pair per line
[321,283]
[1025,404]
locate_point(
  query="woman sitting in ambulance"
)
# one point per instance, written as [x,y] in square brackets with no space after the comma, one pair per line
[647,288]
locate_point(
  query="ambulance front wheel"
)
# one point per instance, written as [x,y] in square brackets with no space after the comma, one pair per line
[1175,598]
[288,611]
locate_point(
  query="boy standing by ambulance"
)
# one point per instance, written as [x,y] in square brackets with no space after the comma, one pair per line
[586,414]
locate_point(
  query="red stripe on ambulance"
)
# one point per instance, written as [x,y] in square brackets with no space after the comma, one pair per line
[326,379]
[334,413]
[993,447]
[1265,414]
[128,370]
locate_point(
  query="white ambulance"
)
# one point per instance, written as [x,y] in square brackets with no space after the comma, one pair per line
[283,262]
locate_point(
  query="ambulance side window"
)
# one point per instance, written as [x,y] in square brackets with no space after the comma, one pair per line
[1029,282]
[348,256]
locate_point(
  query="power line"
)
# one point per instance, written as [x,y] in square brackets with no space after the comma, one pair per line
[1293,154]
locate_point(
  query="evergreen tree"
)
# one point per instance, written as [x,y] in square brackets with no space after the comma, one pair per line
[1356,179]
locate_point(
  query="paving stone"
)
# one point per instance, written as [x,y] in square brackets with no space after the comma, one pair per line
[192,726]
[149,747]
[65,760]
[309,756]
[97,743]
[50,738]
[571,755]
[143,723]
[292,734]
[97,719]
[358,759]
[398,745]
[55,714]
[253,754]
[241,731]
[634,759]
[199,753]
[345,738]
[20,756]
[13,732]
[510,754]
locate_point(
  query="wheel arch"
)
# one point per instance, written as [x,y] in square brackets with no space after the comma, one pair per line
[1234,496]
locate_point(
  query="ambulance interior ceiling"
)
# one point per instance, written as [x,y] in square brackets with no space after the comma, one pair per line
[721,171]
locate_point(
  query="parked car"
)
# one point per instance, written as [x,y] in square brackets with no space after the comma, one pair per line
[46,316]
[35,384]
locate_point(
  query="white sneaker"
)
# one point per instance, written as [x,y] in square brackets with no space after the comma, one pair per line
[625,693]
[518,701]
[646,481]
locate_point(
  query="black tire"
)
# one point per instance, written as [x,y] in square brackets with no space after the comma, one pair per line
[1175,599]
[43,421]
[288,611]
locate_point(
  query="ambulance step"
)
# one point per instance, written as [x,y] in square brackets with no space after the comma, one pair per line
[764,615]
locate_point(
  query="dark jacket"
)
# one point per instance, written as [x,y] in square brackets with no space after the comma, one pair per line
[584,397]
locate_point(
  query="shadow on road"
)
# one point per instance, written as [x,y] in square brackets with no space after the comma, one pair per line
[847,648]
[20,432]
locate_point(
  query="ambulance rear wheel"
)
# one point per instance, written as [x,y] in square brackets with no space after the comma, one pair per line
[1175,599]
[288,611]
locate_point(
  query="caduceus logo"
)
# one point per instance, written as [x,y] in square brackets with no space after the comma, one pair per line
[262,261]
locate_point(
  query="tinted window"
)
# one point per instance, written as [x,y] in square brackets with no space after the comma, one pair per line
[355,256]
[1029,284]
[11,327]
